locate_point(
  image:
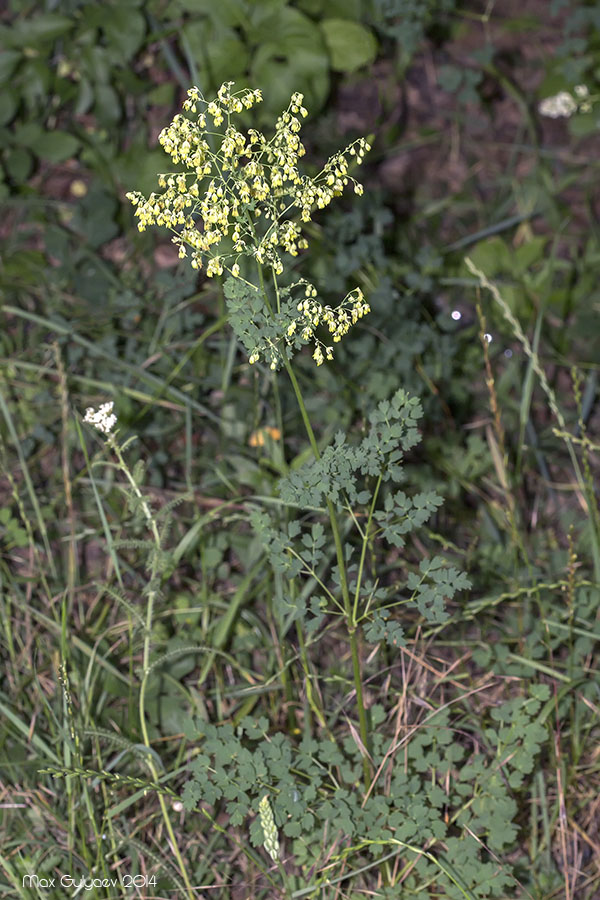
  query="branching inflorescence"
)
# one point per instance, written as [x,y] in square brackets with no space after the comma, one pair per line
[249,198]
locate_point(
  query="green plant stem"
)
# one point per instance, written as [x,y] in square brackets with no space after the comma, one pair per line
[339,550]
[313,699]
[352,634]
[146,661]
[365,544]
[279,418]
[284,877]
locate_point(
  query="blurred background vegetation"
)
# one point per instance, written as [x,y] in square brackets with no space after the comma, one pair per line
[462,164]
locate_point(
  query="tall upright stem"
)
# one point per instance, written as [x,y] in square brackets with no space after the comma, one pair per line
[339,550]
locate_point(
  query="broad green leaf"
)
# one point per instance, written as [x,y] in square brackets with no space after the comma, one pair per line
[94,217]
[350,45]
[492,256]
[312,8]
[138,167]
[530,252]
[217,51]
[56,146]
[342,9]
[124,30]
[584,124]
[226,12]
[9,59]
[162,95]
[19,164]
[293,58]
[38,29]
[262,19]
[107,107]
[85,97]
[8,105]
[450,78]
[96,64]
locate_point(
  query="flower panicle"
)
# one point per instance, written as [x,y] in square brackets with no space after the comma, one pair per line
[220,194]
[309,314]
[248,177]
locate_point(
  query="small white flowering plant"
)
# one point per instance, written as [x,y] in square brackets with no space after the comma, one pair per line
[158,523]
[103,418]
[249,199]
[565,104]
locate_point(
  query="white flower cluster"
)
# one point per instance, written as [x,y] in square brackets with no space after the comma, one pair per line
[564,104]
[103,419]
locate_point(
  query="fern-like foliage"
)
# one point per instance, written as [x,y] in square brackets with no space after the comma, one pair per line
[393,430]
[345,474]
[454,797]
[274,334]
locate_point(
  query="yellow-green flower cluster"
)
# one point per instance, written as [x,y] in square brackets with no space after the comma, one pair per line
[338,320]
[221,193]
[313,314]
[269,828]
[331,182]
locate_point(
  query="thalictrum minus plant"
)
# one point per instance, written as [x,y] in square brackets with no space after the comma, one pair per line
[240,209]
[244,200]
